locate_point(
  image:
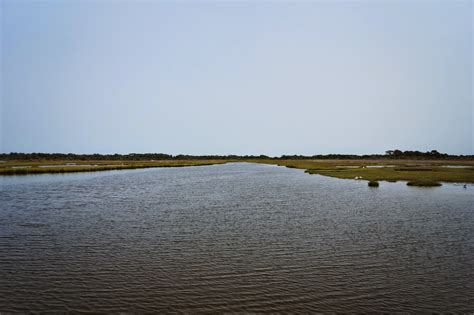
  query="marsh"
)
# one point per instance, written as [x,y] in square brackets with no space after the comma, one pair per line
[234,237]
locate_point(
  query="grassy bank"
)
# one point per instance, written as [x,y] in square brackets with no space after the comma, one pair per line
[417,172]
[48,166]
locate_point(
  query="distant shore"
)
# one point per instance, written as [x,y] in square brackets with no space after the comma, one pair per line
[418,172]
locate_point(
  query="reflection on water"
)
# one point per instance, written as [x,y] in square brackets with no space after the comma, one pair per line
[236,237]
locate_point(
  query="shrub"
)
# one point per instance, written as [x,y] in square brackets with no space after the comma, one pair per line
[373,184]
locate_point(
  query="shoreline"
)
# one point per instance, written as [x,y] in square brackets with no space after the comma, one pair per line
[425,172]
[42,167]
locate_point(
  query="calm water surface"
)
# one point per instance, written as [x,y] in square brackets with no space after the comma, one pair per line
[236,237]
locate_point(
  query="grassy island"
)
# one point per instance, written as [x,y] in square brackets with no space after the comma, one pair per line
[54,166]
[416,172]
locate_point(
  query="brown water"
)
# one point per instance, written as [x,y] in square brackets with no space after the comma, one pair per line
[229,238]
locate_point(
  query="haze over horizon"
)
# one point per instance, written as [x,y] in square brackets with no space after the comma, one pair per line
[240,78]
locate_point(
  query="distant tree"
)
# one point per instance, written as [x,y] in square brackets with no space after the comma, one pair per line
[397,153]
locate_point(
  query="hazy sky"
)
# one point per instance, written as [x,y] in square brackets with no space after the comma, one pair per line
[236,77]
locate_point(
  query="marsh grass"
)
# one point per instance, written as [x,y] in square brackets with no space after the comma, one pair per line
[423,183]
[415,169]
[93,166]
[404,170]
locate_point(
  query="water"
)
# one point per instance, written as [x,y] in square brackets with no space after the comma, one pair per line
[236,237]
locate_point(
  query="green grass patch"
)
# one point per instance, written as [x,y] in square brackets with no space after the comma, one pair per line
[414,169]
[404,170]
[424,183]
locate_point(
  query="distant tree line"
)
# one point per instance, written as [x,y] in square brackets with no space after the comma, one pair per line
[413,154]
[390,154]
[121,157]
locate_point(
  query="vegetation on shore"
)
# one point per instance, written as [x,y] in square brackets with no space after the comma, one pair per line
[419,172]
[394,166]
[54,166]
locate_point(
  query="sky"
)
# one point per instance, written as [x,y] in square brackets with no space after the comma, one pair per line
[236,77]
